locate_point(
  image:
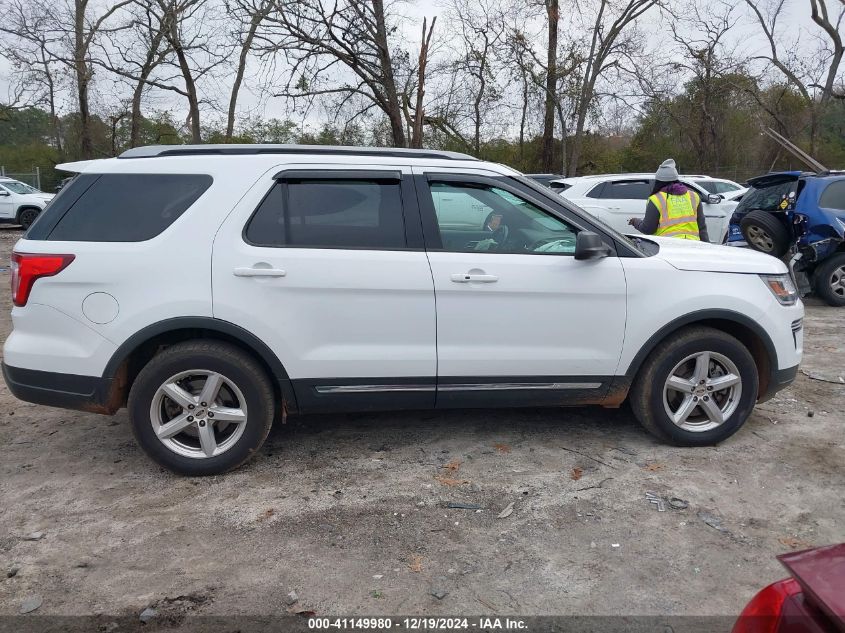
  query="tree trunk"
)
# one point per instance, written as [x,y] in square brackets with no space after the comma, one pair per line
[482,87]
[86,144]
[394,110]
[239,74]
[553,12]
[522,121]
[135,116]
[422,62]
[190,89]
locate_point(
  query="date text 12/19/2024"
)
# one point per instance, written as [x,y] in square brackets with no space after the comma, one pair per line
[418,624]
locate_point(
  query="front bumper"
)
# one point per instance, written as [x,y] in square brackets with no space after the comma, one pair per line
[779,379]
[68,391]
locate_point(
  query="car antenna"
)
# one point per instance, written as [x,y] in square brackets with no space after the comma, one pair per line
[796,151]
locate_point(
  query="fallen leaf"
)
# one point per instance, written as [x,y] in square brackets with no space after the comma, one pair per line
[504,514]
[415,563]
[576,473]
[501,447]
[794,543]
[653,467]
[452,466]
[450,481]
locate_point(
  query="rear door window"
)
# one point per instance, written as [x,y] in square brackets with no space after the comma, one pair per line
[118,207]
[356,213]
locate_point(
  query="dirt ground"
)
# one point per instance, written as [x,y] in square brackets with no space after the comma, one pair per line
[351,512]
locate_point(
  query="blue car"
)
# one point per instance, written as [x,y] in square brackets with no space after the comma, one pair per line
[801,213]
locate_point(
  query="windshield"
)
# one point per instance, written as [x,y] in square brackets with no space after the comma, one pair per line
[766,198]
[18,187]
[716,186]
[548,193]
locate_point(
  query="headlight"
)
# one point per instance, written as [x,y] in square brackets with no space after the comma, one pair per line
[782,288]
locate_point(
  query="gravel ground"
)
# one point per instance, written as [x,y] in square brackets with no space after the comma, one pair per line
[351,512]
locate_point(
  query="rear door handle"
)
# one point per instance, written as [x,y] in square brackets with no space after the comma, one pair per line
[259,272]
[465,278]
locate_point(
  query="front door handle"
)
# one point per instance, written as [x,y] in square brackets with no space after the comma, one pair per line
[465,278]
[259,272]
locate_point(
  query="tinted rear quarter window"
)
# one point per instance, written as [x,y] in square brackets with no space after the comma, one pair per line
[833,197]
[330,214]
[119,207]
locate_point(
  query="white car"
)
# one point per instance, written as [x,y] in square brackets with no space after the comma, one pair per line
[20,203]
[211,289]
[721,186]
[616,198]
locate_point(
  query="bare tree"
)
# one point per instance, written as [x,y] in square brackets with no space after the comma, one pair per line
[814,79]
[341,48]
[135,54]
[607,44]
[68,32]
[553,19]
[422,63]
[479,31]
[249,13]
[36,80]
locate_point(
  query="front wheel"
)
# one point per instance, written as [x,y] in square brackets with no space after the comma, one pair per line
[201,407]
[696,388]
[830,280]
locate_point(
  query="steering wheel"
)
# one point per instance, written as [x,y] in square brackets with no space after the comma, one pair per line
[493,243]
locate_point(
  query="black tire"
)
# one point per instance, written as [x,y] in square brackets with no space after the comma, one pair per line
[829,280]
[27,216]
[647,392]
[212,356]
[765,233]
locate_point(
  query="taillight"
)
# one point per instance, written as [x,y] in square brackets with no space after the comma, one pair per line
[27,267]
[762,614]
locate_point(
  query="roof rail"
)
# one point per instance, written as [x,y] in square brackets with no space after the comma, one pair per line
[151,151]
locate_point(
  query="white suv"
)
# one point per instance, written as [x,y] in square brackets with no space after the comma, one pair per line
[20,203]
[210,289]
[616,198]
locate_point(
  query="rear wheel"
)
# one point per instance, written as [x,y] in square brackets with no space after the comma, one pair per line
[765,233]
[830,280]
[201,407]
[27,217]
[696,388]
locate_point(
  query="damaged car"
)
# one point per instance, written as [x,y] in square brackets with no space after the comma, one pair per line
[801,213]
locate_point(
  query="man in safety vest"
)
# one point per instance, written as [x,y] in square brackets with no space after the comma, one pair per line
[673,209]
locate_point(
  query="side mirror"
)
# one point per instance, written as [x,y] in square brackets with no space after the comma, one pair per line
[4,193]
[589,245]
[714,198]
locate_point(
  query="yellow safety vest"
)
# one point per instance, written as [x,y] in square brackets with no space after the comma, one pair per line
[678,215]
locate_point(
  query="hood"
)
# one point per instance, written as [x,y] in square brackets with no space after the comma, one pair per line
[703,257]
[43,197]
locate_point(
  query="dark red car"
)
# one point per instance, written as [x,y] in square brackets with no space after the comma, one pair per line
[811,601]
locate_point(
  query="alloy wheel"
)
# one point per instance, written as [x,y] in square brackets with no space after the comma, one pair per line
[702,391]
[198,414]
[837,281]
[760,238]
